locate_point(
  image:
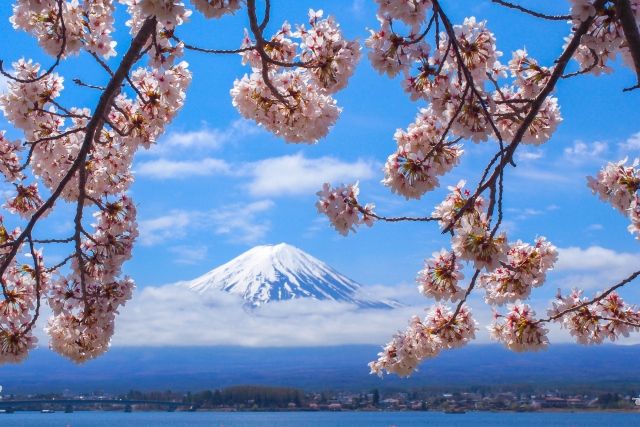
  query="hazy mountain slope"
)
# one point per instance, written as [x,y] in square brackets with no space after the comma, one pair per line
[343,367]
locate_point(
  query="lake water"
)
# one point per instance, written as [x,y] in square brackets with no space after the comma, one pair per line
[317,419]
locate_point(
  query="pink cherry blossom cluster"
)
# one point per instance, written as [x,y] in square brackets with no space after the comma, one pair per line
[422,156]
[618,184]
[17,310]
[411,12]
[290,89]
[518,330]
[605,38]
[10,166]
[440,330]
[217,8]
[30,107]
[471,95]
[85,25]
[511,271]
[341,206]
[469,104]
[86,301]
[472,240]
[440,277]
[524,269]
[163,51]
[592,323]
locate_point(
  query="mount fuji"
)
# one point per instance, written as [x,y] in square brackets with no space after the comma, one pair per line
[282,272]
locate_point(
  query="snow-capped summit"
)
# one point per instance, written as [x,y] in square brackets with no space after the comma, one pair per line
[282,272]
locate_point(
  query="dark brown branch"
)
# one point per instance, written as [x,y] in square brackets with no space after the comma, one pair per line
[102,63]
[631,33]
[60,264]
[93,128]
[90,86]
[214,51]
[465,70]
[38,279]
[600,297]
[267,13]
[532,12]
[44,241]
[561,64]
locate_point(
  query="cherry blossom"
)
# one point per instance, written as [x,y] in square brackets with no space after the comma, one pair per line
[26,201]
[518,330]
[634,216]
[307,116]
[440,276]
[293,99]
[324,46]
[608,318]
[340,204]
[475,242]
[524,269]
[421,157]
[411,12]
[217,8]
[9,159]
[617,183]
[423,339]
[389,53]
[448,210]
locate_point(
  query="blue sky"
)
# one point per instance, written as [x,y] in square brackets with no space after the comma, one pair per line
[217,185]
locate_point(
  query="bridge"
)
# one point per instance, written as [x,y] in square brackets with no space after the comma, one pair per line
[69,404]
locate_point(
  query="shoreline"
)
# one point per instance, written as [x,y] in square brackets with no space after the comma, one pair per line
[232,410]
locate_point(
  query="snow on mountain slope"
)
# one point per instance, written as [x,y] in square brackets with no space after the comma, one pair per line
[282,272]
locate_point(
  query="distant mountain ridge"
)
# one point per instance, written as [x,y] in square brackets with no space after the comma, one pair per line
[610,367]
[282,272]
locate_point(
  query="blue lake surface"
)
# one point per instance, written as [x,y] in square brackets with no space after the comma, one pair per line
[317,419]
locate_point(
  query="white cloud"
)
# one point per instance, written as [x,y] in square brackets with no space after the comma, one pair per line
[204,139]
[594,267]
[176,316]
[171,315]
[165,169]
[295,174]
[530,155]
[167,227]
[595,258]
[189,254]
[632,143]
[582,152]
[241,221]
[524,213]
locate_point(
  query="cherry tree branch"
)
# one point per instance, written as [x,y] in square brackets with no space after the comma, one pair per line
[632,34]
[38,279]
[92,129]
[214,51]
[600,297]
[556,74]
[465,70]
[532,12]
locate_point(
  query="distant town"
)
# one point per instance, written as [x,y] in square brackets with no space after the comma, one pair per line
[260,398]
